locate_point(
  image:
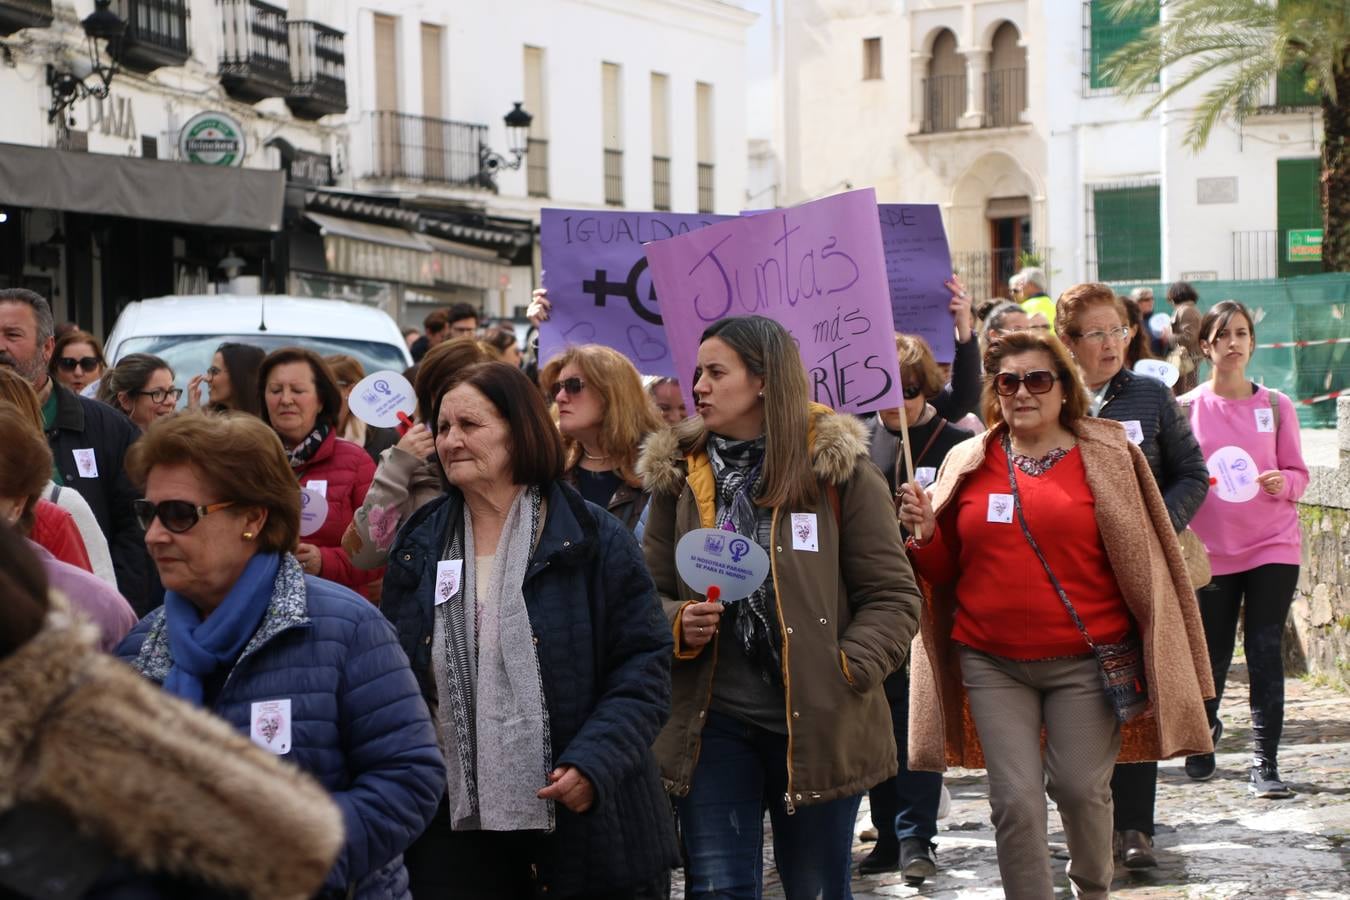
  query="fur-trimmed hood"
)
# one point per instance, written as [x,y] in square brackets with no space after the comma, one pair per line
[167,787]
[837,441]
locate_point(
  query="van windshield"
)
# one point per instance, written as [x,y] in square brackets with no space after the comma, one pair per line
[191,354]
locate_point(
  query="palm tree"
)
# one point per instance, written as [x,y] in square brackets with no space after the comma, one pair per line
[1248,44]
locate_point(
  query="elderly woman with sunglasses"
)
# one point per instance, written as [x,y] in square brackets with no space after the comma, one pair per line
[1045,542]
[305,668]
[1093,323]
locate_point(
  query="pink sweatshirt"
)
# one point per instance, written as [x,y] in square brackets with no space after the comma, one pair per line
[1264,529]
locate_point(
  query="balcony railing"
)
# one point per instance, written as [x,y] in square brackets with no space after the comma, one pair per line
[536,167]
[1255,255]
[1287,92]
[424,149]
[157,33]
[985,273]
[614,177]
[17,14]
[705,187]
[255,51]
[944,102]
[1005,96]
[661,183]
[318,70]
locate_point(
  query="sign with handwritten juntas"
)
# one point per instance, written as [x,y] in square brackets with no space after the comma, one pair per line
[918,263]
[598,284]
[818,269]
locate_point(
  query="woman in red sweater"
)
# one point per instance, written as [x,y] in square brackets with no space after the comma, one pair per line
[301,401]
[998,622]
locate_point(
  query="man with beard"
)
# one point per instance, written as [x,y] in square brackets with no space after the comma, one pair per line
[88,441]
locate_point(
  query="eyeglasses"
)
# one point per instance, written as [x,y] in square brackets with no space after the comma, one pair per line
[175,515]
[573,386]
[912,390]
[70,363]
[1036,328]
[214,371]
[1038,382]
[159,395]
[1100,337]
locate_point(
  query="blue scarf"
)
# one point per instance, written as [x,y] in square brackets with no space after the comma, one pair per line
[199,649]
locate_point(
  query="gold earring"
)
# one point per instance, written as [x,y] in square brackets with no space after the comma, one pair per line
[248,535]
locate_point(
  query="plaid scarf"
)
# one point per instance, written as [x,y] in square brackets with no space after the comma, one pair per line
[305,450]
[738,468]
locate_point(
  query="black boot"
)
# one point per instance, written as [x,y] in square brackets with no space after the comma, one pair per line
[916,860]
[1201,767]
[885,857]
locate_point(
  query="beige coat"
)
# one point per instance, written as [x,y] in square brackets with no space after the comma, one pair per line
[170,788]
[1147,563]
[846,613]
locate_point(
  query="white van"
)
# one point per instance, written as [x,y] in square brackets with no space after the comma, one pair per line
[185,331]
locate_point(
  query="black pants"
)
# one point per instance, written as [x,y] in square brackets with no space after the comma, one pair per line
[1134,789]
[906,805]
[444,864]
[1262,597]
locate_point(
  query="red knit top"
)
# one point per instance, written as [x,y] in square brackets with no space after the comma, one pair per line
[1005,604]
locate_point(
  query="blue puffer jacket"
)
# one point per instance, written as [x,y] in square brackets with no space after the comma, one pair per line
[358,724]
[604,657]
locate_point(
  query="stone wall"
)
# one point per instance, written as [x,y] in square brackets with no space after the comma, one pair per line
[1317,640]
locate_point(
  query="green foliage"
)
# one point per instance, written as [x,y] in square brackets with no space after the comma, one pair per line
[1247,43]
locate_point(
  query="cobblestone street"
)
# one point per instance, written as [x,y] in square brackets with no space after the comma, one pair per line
[1214,840]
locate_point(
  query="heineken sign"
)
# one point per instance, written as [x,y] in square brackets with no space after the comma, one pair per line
[212,139]
[1304,245]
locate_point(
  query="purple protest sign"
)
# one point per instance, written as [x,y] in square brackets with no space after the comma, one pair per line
[598,285]
[818,269]
[918,263]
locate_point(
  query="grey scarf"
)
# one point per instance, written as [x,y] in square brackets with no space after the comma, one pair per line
[492,722]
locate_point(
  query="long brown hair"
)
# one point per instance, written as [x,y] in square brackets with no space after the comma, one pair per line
[768,351]
[627,416]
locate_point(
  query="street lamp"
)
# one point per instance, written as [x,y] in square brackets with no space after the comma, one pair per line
[69,85]
[517,141]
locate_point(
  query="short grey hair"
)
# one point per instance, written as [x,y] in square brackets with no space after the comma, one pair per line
[994,321]
[1141,293]
[1032,275]
[46,325]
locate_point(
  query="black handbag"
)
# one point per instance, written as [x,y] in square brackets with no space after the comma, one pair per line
[1120,664]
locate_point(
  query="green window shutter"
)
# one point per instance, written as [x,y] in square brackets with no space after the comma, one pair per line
[1128,225]
[1291,87]
[1298,205]
[1108,35]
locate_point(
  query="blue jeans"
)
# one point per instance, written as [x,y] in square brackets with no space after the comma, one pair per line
[742,770]
[905,806]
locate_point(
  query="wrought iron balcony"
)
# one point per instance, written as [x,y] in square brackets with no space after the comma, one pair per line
[318,70]
[1005,96]
[425,149]
[944,102]
[255,54]
[157,33]
[661,183]
[18,14]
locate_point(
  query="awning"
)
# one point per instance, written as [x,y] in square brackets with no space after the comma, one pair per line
[103,184]
[366,231]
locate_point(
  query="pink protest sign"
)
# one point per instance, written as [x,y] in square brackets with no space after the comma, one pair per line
[818,269]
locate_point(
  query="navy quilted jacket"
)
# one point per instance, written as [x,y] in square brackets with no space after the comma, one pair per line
[359,725]
[1171,450]
[604,656]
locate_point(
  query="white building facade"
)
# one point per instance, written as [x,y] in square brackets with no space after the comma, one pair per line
[1001,112]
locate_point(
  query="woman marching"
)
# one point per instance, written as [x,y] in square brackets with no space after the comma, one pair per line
[604,416]
[1093,323]
[778,699]
[905,808]
[1250,528]
[1050,554]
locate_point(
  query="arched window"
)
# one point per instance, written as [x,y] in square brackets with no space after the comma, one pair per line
[944,90]
[1005,93]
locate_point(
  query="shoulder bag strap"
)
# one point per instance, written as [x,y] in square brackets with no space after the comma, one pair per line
[1026,532]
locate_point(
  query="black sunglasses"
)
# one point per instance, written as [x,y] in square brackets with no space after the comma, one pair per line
[70,363]
[573,386]
[912,390]
[175,515]
[1038,382]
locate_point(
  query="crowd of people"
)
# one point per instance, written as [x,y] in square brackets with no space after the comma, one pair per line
[485,676]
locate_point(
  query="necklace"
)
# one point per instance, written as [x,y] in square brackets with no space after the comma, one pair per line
[593,458]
